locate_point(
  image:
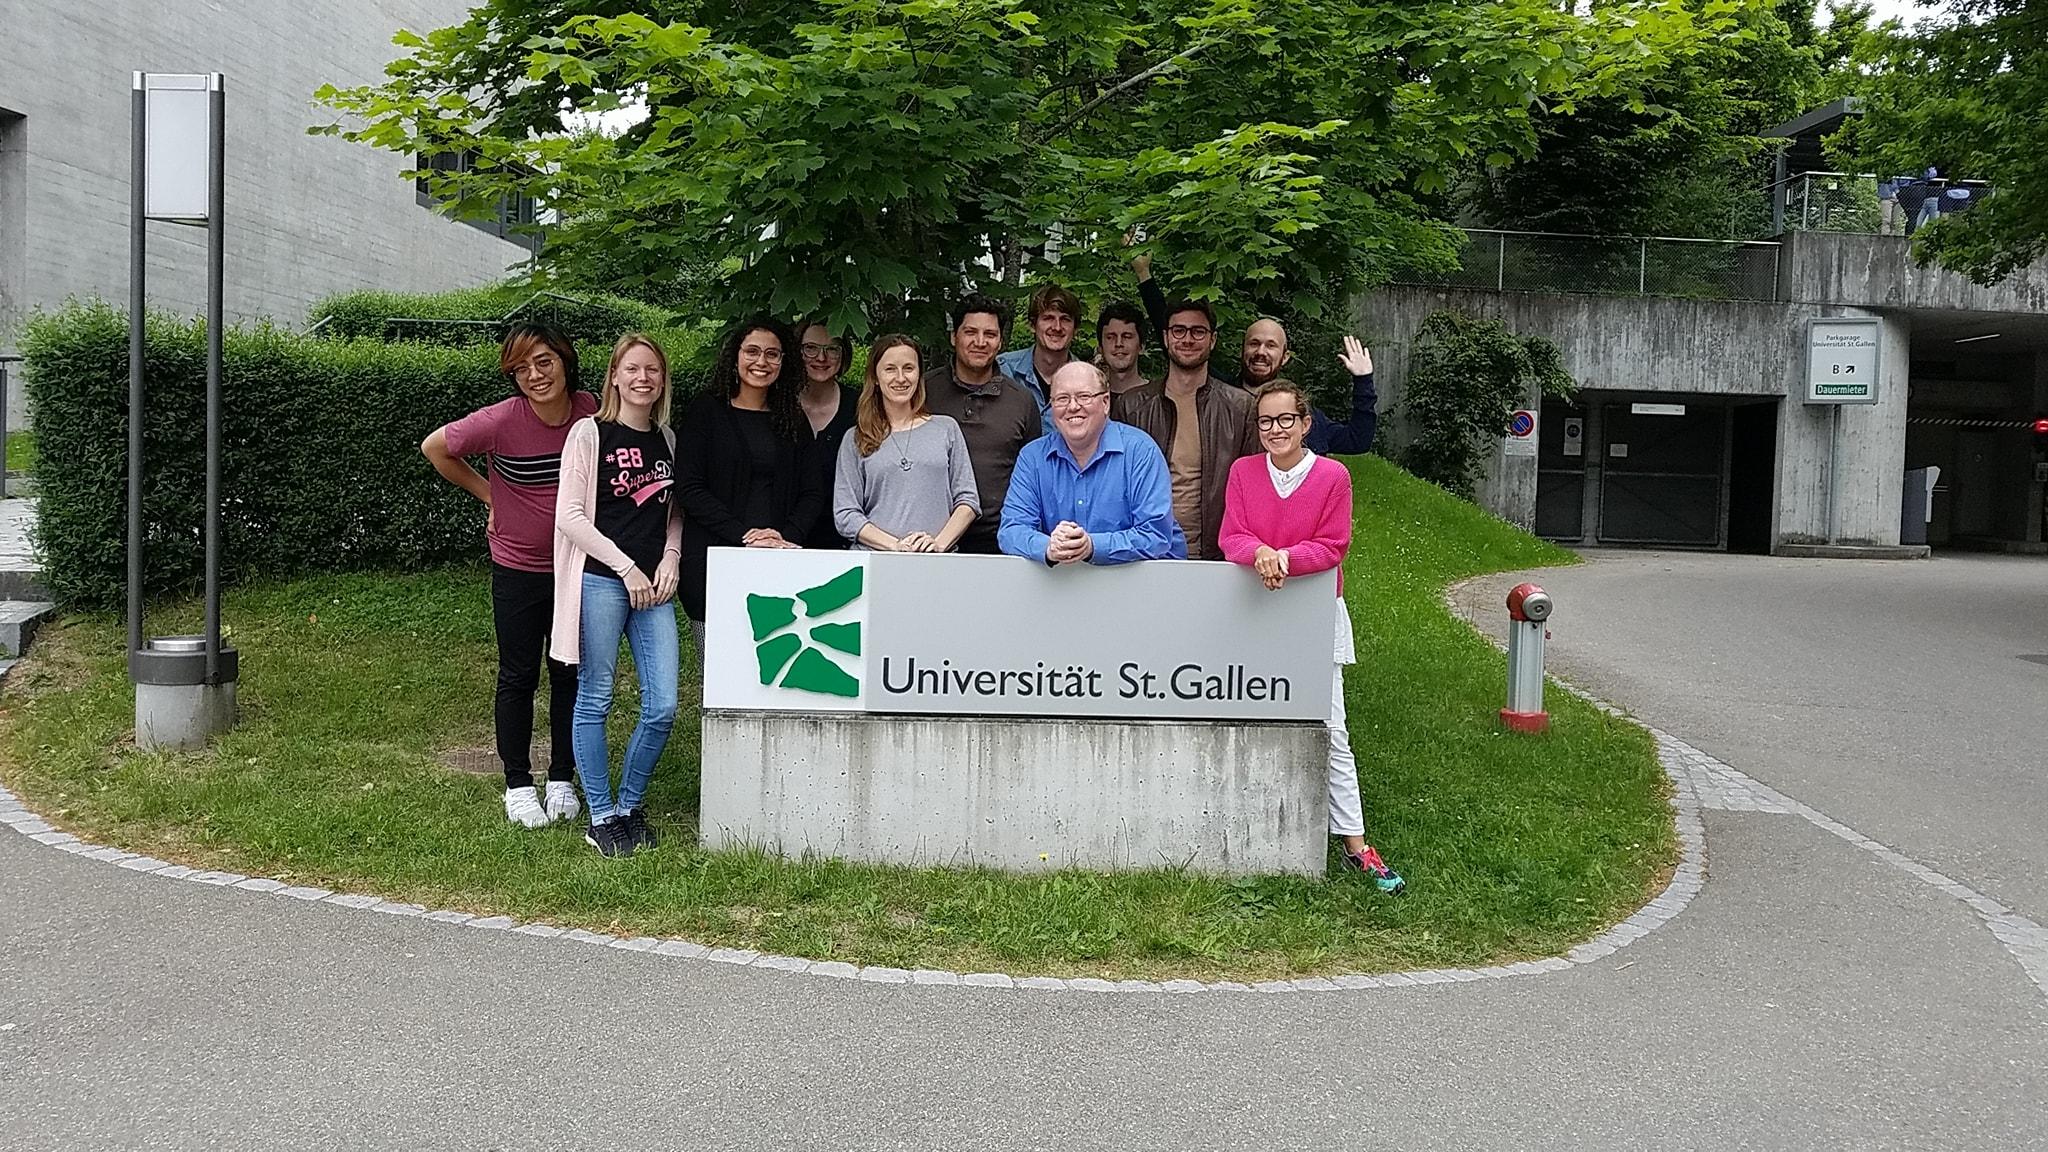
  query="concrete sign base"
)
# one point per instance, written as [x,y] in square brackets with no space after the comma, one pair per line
[1019,794]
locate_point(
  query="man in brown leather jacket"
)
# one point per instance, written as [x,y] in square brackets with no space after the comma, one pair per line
[1199,422]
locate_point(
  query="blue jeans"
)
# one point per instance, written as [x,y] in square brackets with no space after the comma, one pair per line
[608,615]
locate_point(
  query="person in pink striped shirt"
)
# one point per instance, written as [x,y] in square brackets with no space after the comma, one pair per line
[1288,513]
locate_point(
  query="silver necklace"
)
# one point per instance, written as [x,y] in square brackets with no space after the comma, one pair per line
[902,457]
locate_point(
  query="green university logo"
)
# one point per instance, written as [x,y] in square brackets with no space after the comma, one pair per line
[798,645]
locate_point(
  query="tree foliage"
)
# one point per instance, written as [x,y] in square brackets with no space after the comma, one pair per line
[874,157]
[1964,92]
[1683,157]
[1466,377]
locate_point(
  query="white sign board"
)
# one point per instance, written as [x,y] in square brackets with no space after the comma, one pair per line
[1842,360]
[177,143]
[792,630]
[1575,436]
[1521,435]
[1656,409]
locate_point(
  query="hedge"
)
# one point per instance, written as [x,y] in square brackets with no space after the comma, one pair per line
[320,469]
[478,315]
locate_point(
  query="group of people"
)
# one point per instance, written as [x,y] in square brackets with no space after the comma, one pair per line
[602,514]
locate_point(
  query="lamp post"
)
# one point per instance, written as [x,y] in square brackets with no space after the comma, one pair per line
[184,685]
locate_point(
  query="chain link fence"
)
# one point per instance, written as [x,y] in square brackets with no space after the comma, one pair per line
[1612,265]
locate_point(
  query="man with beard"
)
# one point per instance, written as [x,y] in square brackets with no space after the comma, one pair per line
[1199,422]
[1119,339]
[997,416]
[1266,352]
[1055,315]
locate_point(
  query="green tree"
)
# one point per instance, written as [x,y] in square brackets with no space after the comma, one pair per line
[1466,377]
[1683,156]
[1964,92]
[874,157]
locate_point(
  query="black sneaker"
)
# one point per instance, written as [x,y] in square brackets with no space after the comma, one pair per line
[610,838]
[637,832]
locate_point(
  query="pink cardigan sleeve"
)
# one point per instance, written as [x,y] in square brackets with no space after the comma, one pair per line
[1239,543]
[572,514]
[1325,546]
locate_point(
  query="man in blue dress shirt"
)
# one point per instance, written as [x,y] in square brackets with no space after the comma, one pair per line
[1093,491]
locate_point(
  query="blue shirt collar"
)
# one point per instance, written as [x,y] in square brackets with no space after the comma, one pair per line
[1111,444]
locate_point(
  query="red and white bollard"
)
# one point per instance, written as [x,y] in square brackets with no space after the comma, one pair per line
[1528,609]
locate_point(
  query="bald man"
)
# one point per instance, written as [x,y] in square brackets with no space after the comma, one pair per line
[1266,352]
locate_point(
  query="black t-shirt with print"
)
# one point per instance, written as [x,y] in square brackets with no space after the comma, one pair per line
[635,488]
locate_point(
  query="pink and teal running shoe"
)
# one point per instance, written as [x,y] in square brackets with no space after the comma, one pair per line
[1384,878]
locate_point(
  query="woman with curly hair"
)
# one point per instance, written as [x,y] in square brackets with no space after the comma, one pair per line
[746,470]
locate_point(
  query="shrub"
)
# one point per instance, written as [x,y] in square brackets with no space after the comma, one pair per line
[479,315]
[320,460]
[1466,377]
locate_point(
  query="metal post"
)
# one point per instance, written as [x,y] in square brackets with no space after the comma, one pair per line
[3,429]
[1643,266]
[1500,268]
[216,315]
[1834,470]
[136,305]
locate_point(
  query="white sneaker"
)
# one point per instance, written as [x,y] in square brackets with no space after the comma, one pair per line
[522,806]
[562,801]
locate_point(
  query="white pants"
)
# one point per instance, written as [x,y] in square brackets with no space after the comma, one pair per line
[1347,811]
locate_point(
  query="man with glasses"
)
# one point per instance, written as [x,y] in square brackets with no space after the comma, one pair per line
[1199,422]
[1093,491]
[1266,351]
[1055,314]
[997,417]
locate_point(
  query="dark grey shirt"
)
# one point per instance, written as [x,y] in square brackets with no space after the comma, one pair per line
[911,483]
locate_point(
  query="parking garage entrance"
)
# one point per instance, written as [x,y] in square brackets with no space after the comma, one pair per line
[1657,470]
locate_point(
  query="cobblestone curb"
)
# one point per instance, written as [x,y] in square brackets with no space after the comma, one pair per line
[1685,883]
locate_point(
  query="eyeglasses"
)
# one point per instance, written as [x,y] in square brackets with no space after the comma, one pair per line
[1188,331]
[820,351]
[1077,399]
[536,365]
[772,355]
[1283,421]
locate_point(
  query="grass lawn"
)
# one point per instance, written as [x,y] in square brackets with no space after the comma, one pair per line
[21,452]
[1514,846]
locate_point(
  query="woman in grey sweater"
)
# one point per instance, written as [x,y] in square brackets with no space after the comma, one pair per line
[904,483]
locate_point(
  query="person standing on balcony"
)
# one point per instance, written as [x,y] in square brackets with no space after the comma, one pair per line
[1201,424]
[997,416]
[1055,315]
[1267,351]
[522,440]
[1287,513]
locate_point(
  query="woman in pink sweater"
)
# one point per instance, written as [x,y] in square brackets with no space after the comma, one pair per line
[1288,513]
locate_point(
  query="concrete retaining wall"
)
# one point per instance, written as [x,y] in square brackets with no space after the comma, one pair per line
[1113,795]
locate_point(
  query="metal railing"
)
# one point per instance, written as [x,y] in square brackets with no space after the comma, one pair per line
[1856,202]
[1508,261]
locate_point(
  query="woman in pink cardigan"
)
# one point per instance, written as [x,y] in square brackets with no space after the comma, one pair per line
[1288,513]
[618,548]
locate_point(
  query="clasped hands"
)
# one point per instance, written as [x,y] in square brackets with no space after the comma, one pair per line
[1271,565]
[644,593]
[1069,544]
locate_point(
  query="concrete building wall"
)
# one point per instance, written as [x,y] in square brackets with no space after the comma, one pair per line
[1880,272]
[1684,346]
[1019,794]
[307,216]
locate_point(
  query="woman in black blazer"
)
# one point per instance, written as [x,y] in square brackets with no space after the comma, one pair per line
[746,474]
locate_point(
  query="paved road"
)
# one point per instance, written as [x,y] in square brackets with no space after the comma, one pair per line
[1812,995]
